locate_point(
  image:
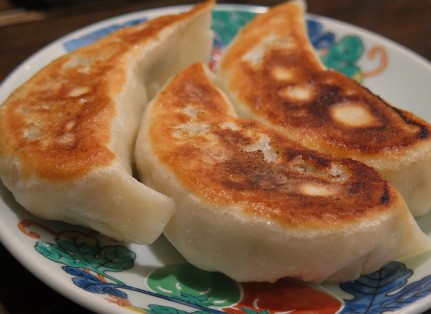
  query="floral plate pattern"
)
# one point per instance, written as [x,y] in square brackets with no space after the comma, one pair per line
[110,277]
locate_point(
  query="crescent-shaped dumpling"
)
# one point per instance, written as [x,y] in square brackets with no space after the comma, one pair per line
[68,133]
[257,206]
[272,74]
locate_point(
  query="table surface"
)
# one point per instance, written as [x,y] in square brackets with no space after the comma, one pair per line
[28,25]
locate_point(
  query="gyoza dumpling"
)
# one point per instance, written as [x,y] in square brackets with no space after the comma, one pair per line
[258,206]
[68,134]
[272,74]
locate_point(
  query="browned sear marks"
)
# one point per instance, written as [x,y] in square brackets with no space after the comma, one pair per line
[59,124]
[273,71]
[227,160]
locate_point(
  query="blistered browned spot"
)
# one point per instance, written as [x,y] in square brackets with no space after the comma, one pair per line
[230,161]
[288,87]
[59,123]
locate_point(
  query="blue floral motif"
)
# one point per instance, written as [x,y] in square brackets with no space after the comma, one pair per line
[318,38]
[91,283]
[385,290]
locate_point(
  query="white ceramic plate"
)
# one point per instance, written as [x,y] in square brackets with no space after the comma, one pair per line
[110,277]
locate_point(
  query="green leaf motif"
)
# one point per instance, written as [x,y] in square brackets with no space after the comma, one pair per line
[76,249]
[343,55]
[194,286]
[226,24]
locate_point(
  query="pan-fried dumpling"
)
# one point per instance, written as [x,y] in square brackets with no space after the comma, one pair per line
[272,74]
[258,206]
[68,134]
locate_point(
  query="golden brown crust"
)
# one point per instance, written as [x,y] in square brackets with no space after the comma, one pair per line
[59,123]
[230,161]
[275,73]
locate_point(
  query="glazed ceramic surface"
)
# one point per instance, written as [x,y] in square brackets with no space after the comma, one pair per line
[110,277]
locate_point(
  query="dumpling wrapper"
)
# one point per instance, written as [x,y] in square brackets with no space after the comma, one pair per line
[272,73]
[257,206]
[68,133]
